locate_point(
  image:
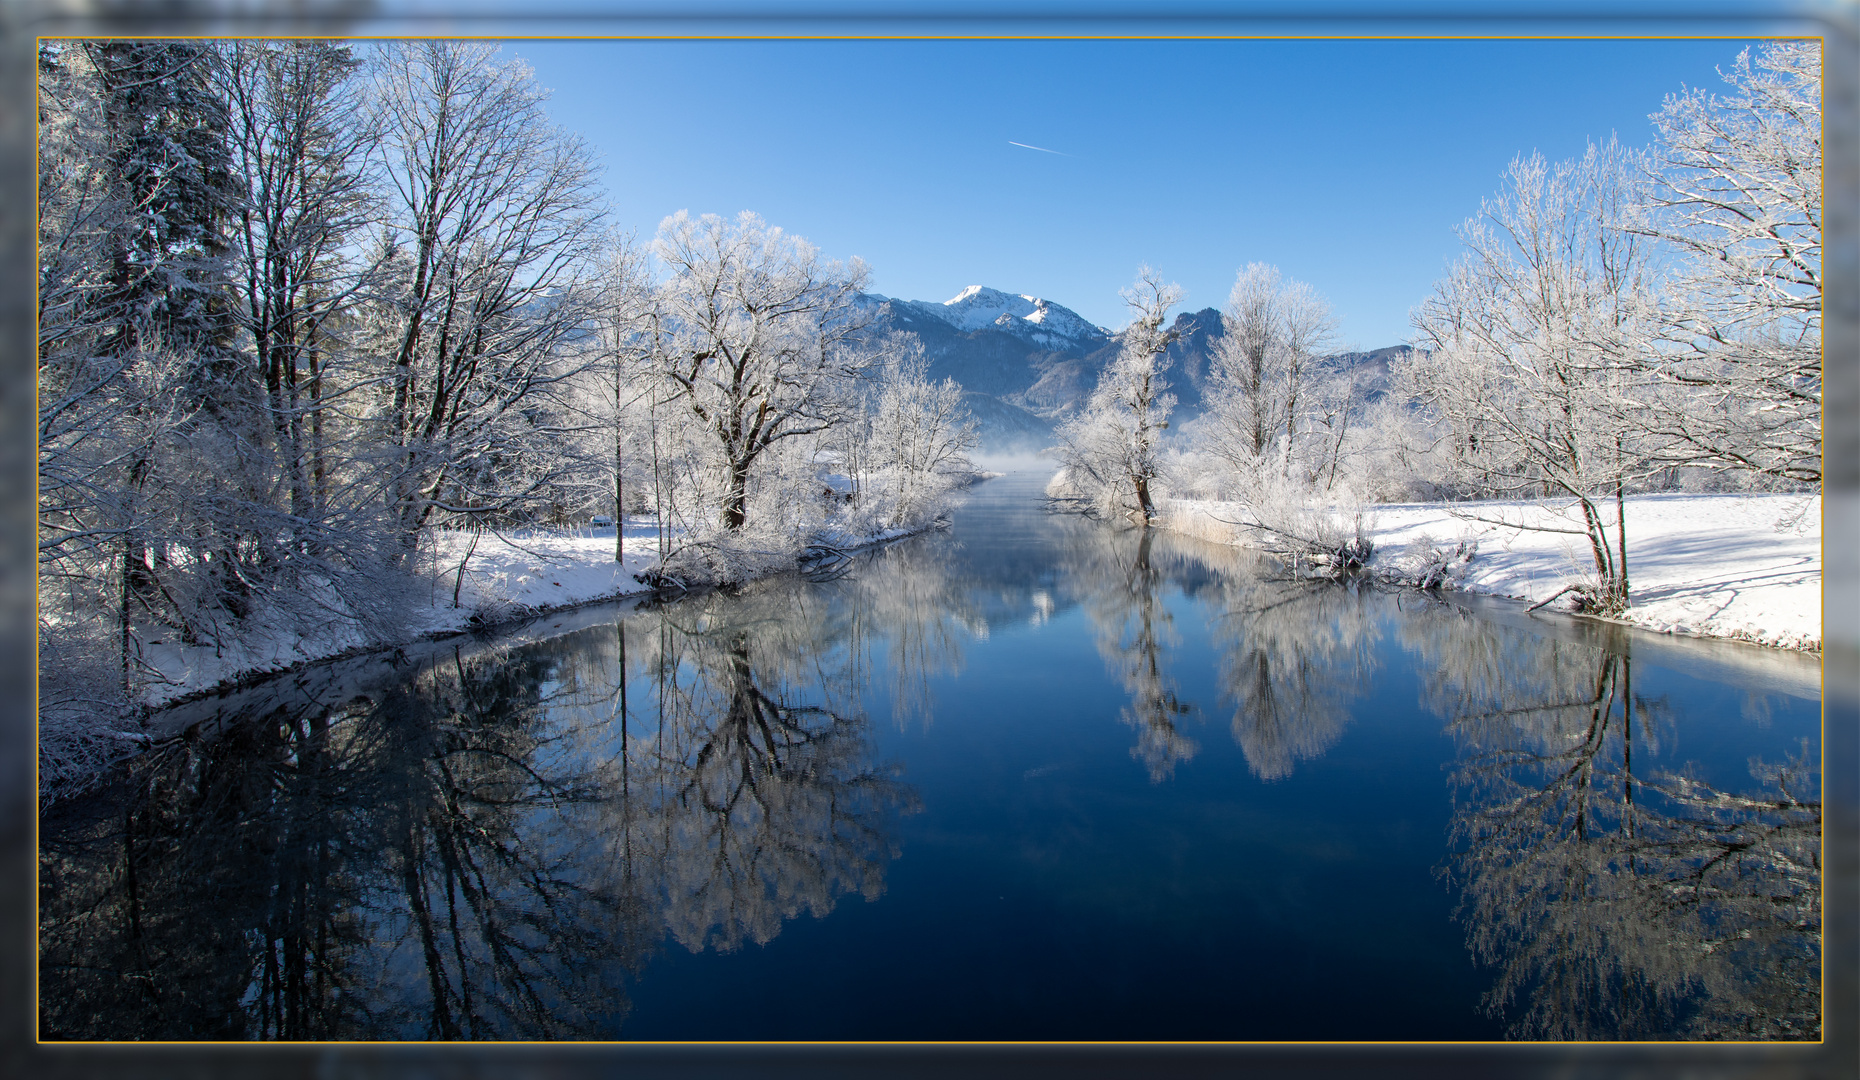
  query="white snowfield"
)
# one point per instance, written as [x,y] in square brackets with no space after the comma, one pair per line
[1730,566]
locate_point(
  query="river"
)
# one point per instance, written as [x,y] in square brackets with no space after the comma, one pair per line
[1029,778]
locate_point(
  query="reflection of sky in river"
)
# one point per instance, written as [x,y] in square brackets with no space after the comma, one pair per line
[1049,886]
[1029,778]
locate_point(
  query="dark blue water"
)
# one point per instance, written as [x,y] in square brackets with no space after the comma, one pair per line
[1030,778]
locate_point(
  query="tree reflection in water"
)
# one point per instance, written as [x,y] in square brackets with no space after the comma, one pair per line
[488,849]
[1618,900]
[1294,654]
[749,803]
[906,596]
[1113,573]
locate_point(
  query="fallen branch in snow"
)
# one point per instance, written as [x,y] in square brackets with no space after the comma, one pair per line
[661,583]
[1314,555]
[1553,596]
[824,563]
[820,561]
[1427,565]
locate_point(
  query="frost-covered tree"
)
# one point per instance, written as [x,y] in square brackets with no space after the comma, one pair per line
[488,247]
[136,349]
[609,404]
[80,205]
[1337,405]
[85,476]
[1734,183]
[1110,451]
[1263,375]
[1241,392]
[1533,344]
[301,136]
[626,377]
[1395,452]
[921,432]
[753,338]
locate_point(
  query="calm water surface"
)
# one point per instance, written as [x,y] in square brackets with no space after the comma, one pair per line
[1029,778]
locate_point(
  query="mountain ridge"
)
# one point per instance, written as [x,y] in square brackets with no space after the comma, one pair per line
[1026,363]
[1031,318]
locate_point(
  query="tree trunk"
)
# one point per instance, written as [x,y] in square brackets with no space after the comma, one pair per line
[319,468]
[1598,545]
[1144,505]
[124,591]
[736,499]
[294,432]
[135,579]
[1621,576]
[620,493]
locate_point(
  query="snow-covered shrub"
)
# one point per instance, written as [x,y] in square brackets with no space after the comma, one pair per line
[1590,597]
[1190,471]
[81,705]
[1201,520]
[724,560]
[1316,535]
[1396,455]
[1428,563]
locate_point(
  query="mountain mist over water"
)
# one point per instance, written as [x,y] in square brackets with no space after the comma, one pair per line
[1026,363]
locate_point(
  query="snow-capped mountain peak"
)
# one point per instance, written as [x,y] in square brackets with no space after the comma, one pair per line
[978,306]
[972,292]
[1041,322]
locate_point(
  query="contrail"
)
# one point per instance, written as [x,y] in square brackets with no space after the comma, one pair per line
[1041,149]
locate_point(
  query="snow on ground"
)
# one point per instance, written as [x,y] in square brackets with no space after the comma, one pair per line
[1733,566]
[507,576]
[537,570]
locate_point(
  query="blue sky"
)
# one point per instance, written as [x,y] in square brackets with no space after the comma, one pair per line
[1345,163]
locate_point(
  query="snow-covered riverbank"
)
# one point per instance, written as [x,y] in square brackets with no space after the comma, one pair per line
[507,577]
[1732,566]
